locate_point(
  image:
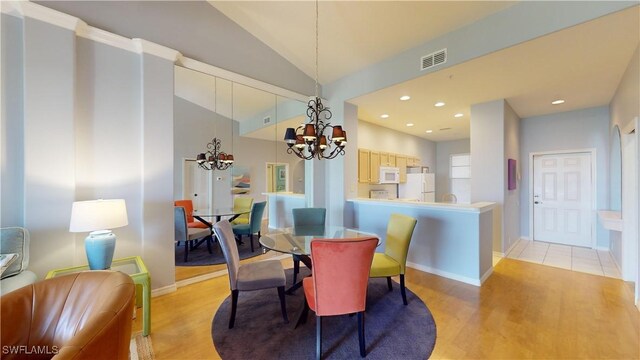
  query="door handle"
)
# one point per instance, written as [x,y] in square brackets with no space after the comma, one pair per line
[195,194]
[537,202]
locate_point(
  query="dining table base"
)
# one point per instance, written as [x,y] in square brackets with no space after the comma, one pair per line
[306,260]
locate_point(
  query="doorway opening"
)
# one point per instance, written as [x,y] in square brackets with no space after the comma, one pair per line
[277,177]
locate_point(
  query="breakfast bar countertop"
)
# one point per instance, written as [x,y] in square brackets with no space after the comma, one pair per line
[479,207]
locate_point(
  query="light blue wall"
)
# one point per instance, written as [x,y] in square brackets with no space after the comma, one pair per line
[197,30]
[581,129]
[12,130]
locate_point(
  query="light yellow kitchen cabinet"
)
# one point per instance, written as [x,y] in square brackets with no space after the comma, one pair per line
[401,162]
[363,166]
[374,167]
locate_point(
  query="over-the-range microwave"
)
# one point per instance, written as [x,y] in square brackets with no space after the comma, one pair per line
[389,175]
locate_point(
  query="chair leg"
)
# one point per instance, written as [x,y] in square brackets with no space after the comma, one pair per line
[283,304]
[389,283]
[318,337]
[363,350]
[186,250]
[234,306]
[251,241]
[402,290]
[259,243]
[209,240]
[304,313]
[296,269]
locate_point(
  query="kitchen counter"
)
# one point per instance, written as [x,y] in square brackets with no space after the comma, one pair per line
[450,240]
[478,207]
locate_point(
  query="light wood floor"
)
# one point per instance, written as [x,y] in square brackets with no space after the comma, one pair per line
[522,311]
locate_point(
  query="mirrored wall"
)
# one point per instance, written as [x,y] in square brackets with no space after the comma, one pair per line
[249,124]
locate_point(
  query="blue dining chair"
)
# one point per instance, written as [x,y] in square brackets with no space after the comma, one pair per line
[307,221]
[254,225]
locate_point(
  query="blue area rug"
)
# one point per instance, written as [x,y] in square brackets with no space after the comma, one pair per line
[392,330]
[201,256]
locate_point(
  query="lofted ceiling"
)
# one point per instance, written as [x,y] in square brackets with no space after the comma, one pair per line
[352,34]
[582,64]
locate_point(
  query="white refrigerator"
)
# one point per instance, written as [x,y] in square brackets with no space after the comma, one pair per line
[421,187]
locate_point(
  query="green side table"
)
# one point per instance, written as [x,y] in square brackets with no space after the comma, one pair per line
[132,266]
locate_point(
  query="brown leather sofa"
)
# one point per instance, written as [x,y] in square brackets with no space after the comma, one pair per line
[85,315]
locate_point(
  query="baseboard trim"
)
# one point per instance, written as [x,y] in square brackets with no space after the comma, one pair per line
[448,275]
[499,254]
[164,290]
[486,275]
[602,248]
[525,238]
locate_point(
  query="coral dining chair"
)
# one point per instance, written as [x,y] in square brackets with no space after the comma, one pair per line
[338,284]
[191,221]
[393,261]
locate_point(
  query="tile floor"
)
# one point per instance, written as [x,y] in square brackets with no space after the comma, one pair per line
[597,262]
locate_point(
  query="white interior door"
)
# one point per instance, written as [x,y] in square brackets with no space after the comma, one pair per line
[562,199]
[197,187]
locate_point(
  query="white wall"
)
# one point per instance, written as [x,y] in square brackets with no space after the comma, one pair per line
[511,219]
[624,107]
[487,161]
[581,129]
[444,150]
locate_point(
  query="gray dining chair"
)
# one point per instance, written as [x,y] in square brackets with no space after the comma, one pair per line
[251,276]
[184,233]
[307,221]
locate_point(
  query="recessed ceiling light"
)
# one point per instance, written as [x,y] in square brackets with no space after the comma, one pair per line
[458,115]
[405,97]
[384,116]
[557,102]
[409,124]
[439,104]
[429,131]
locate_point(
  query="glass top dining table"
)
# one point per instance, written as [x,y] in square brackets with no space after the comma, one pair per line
[218,213]
[298,241]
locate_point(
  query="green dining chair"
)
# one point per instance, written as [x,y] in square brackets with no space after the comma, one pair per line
[254,225]
[242,203]
[303,220]
[393,261]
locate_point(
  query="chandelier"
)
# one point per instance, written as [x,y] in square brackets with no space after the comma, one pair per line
[214,158]
[309,141]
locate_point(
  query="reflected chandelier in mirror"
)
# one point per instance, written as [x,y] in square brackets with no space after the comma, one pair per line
[214,158]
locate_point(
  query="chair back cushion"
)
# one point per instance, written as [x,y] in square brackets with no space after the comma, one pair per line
[15,240]
[188,208]
[399,232]
[242,203]
[256,216]
[341,274]
[224,232]
[85,315]
[180,221]
[304,217]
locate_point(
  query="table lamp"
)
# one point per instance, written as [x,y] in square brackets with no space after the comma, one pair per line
[98,216]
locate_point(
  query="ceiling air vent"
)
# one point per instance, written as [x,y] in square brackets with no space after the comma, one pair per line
[431,60]
[266,120]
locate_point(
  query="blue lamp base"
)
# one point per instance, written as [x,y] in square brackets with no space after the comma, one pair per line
[99,246]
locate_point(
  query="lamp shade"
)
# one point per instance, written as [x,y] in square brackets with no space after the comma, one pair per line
[290,136]
[100,214]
